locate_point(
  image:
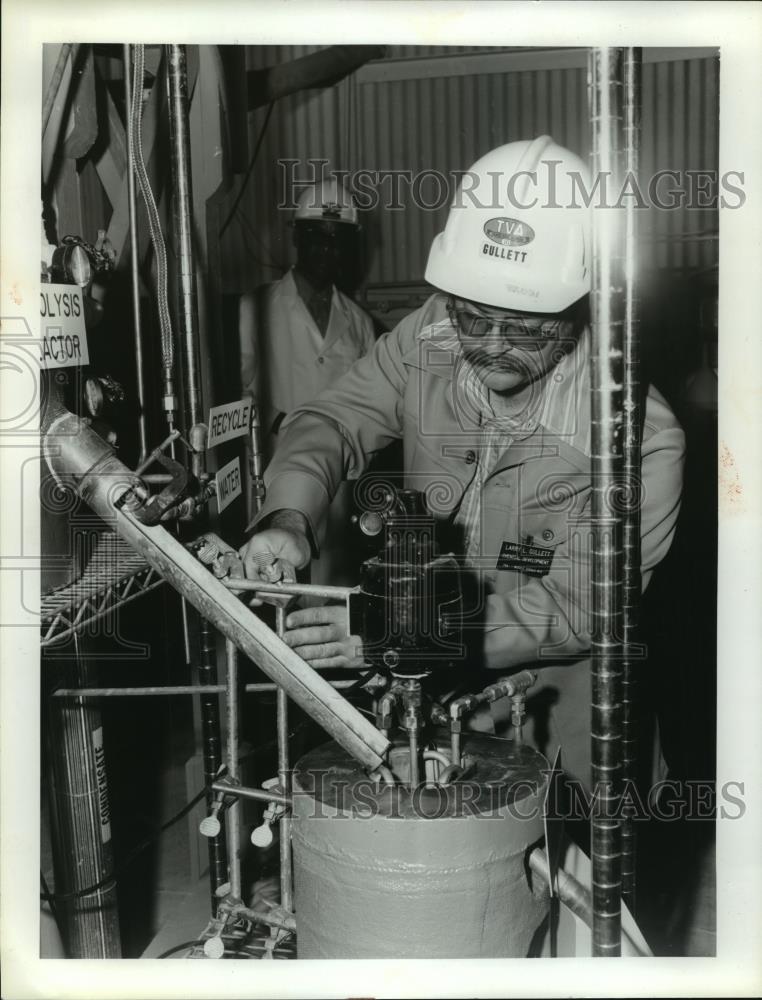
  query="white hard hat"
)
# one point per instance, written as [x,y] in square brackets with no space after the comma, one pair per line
[326,202]
[518,232]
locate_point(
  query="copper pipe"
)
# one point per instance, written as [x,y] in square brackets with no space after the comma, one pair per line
[606,378]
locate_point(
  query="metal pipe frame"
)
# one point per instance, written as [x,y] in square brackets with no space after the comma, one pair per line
[255,794]
[632,497]
[607,468]
[284,778]
[233,816]
[291,589]
[182,224]
[211,753]
[178,689]
[135,276]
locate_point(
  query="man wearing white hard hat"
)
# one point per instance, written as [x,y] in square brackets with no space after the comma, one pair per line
[487,385]
[300,334]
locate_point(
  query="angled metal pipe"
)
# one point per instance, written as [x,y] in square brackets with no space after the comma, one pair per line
[78,456]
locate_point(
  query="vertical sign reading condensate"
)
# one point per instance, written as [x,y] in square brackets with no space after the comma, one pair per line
[100,771]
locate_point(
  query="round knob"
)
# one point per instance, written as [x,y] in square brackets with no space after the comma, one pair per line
[262,836]
[214,947]
[371,523]
[209,826]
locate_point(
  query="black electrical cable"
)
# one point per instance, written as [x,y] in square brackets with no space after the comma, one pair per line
[52,904]
[249,170]
[185,946]
[146,842]
[59,897]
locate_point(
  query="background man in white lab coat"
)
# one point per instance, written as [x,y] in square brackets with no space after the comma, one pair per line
[300,334]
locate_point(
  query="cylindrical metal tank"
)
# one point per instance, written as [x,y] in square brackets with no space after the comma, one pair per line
[437,873]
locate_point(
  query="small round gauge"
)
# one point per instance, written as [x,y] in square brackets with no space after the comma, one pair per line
[72,260]
[94,398]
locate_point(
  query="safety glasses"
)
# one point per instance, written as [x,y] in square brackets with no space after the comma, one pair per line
[530,333]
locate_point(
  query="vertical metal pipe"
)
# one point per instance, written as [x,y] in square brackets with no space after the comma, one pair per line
[606,368]
[284,778]
[257,461]
[210,735]
[133,216]
[415,775]
[632,463]
[182,219]
[233,817]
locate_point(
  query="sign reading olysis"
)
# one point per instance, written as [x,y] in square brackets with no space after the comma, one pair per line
[63,338]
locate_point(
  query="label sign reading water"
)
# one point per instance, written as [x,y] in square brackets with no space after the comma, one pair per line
[63,342]
[228,484]
[228,421]
[100,772]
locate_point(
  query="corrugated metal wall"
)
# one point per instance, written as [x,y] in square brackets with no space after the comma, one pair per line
[444,123]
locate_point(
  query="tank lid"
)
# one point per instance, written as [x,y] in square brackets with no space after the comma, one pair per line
[498,775]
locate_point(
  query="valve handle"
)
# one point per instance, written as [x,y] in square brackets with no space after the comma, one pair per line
[214,947]
[262,836]
[209,826]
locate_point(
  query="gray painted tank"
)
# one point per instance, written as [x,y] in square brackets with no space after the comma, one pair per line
[440,873]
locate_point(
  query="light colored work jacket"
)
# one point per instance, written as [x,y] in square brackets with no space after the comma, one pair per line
[285,362]
[534,559]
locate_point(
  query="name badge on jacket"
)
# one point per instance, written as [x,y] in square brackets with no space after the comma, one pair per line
[525,557]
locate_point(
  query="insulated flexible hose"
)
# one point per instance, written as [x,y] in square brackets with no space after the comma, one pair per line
[135,125]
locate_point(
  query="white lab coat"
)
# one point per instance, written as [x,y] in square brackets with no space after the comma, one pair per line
[286,362]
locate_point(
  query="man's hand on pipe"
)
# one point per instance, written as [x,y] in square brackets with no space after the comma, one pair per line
[275,554]
[320,636]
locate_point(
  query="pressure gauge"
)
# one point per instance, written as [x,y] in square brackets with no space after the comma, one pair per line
[73,264]
[94,397]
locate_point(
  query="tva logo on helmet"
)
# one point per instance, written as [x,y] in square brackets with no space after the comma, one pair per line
[508,232]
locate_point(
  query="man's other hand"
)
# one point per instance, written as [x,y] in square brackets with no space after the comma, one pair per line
[320,636]
[275,554]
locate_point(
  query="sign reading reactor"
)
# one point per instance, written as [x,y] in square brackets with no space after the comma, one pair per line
[63,342]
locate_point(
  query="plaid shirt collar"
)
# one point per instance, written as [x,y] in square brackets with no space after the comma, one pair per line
[560,406]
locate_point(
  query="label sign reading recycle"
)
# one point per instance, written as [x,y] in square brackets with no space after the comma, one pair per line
[228,421]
